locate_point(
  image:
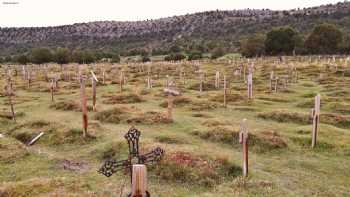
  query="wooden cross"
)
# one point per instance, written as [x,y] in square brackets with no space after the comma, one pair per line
[112,166]
[243,139]
[315,119]
[94,81]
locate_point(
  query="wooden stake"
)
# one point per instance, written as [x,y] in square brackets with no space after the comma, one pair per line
[121,80]
[52,88]
[243,139]
[83,106]
[225,91]
[316,119]
[10,94]
[217,79]
[139,181]
[35,139]
[250,86]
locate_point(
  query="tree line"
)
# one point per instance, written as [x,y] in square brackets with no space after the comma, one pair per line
[325,39]
[60,56]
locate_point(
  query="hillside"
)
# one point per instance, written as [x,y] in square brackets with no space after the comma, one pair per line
[207,29]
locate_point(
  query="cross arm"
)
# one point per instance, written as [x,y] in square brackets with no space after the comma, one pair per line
[154,156]
[112,166]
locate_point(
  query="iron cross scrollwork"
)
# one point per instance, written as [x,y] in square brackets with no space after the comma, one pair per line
[132,136]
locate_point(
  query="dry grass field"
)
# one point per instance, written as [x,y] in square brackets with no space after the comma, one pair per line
[202,154]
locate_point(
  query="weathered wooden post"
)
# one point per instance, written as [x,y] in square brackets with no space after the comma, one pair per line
[276,84]
[243,139]
[217,79]
[94,81]
[139,181]
[83,106]
[10,94]
[225,91]
[316,119]
[52,89]
[271,79]
[250,86]
[201,80]
[104,77]
[29,79]
[121,80]
[171,93]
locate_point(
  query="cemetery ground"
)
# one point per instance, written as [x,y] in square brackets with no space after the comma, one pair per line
[203,156]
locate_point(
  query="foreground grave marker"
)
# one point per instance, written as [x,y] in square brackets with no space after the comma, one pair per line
[138,176]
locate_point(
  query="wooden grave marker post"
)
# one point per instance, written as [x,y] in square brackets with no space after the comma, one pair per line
[243,139]
[217,79]
[52,89]
[10,93]
[250,86]
[225,91]
[121,80]
[139,181]
[171,93]
[94,82]
[83,106]
[315,119]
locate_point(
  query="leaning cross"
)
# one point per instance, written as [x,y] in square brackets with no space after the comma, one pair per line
[132,136]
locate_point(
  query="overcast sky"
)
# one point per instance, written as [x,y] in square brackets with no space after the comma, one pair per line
[25,13]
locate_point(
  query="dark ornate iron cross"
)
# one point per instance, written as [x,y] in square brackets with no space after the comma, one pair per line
[132,136]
